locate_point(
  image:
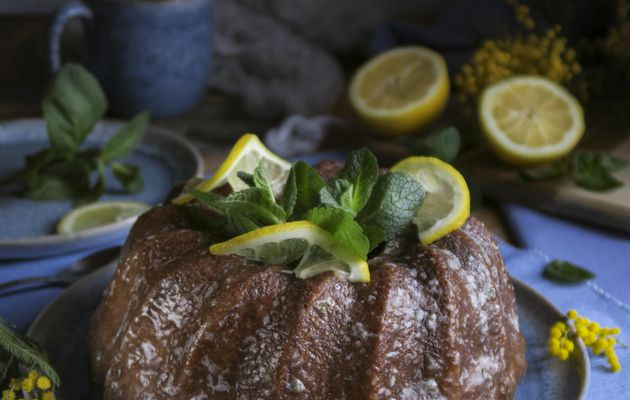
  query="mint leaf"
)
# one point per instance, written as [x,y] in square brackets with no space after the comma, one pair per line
[129,177]
[338,193]
[544,172]
[123,142]
[244,210]
[72,106]
[248,179]
[566,272]
[394,203]
[343,227]
[60,181]
[361,170]
[443,144]
[96,190]
[308,183]
[610,162]
[289,193]
[591,170]
[261,181]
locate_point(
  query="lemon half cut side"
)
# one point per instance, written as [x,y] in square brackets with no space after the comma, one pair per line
[401,90]
[530,120]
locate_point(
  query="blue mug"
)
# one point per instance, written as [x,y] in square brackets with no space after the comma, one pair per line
[147,55]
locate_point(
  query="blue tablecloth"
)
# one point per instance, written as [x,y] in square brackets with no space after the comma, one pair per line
[605,299]
[21,306]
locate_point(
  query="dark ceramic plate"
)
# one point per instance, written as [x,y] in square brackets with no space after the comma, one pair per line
[61,329]
[27,226]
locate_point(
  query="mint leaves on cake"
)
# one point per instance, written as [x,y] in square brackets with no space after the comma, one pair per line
[349,215]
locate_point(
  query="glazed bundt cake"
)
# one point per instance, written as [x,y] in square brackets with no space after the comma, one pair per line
[435,322]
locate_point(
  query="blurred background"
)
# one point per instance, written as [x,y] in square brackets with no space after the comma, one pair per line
[281,68]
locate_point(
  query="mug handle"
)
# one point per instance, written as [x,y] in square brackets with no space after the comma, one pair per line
[61,18]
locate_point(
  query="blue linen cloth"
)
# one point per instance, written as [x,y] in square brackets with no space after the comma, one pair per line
[606,299]
[19,307]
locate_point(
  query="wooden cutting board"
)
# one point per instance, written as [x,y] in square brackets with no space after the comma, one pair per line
[611,209]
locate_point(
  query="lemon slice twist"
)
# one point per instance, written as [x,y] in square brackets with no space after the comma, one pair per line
[244,156]
[447,203]
[316,250]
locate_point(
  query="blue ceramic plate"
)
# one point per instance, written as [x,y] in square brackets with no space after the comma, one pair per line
[27,227]
[61,328]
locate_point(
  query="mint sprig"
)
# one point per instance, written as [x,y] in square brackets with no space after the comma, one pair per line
[359,208]
[72,107]
[591,170]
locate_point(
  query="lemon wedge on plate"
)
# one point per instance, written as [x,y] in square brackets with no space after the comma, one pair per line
[401,90]
[99,214]
[530,120]
[447,203]
[316,250]
[244,156]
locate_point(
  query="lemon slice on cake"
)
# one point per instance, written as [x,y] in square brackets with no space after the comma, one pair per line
[401,90]
[244,156]
[315,248]
[447,203]
[530,120]
[99,214]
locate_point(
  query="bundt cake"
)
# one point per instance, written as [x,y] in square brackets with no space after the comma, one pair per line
[176,322]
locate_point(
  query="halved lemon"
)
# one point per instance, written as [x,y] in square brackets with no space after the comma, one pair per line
[316,250]
[401,90]
[447,203]
[244,156]
[530,120]
[99,214]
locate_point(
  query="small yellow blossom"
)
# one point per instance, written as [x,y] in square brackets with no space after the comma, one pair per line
[32,375]
[48,395]
[562,339]
[27,385]
[43,383]
[547,55]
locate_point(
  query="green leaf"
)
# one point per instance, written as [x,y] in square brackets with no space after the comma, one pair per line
[308,183]
[565,272]
[129,177]
[394,203]
[375,235]
[26,353]
[72,106]
[443,144]
[610,162]
[361,170]
[96,191]
[544,172]
[123,142]
[289,193]
[261,181]
[591,171]
[248,179]
[244,210]
[343,227]
[60,181]
[338,193]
